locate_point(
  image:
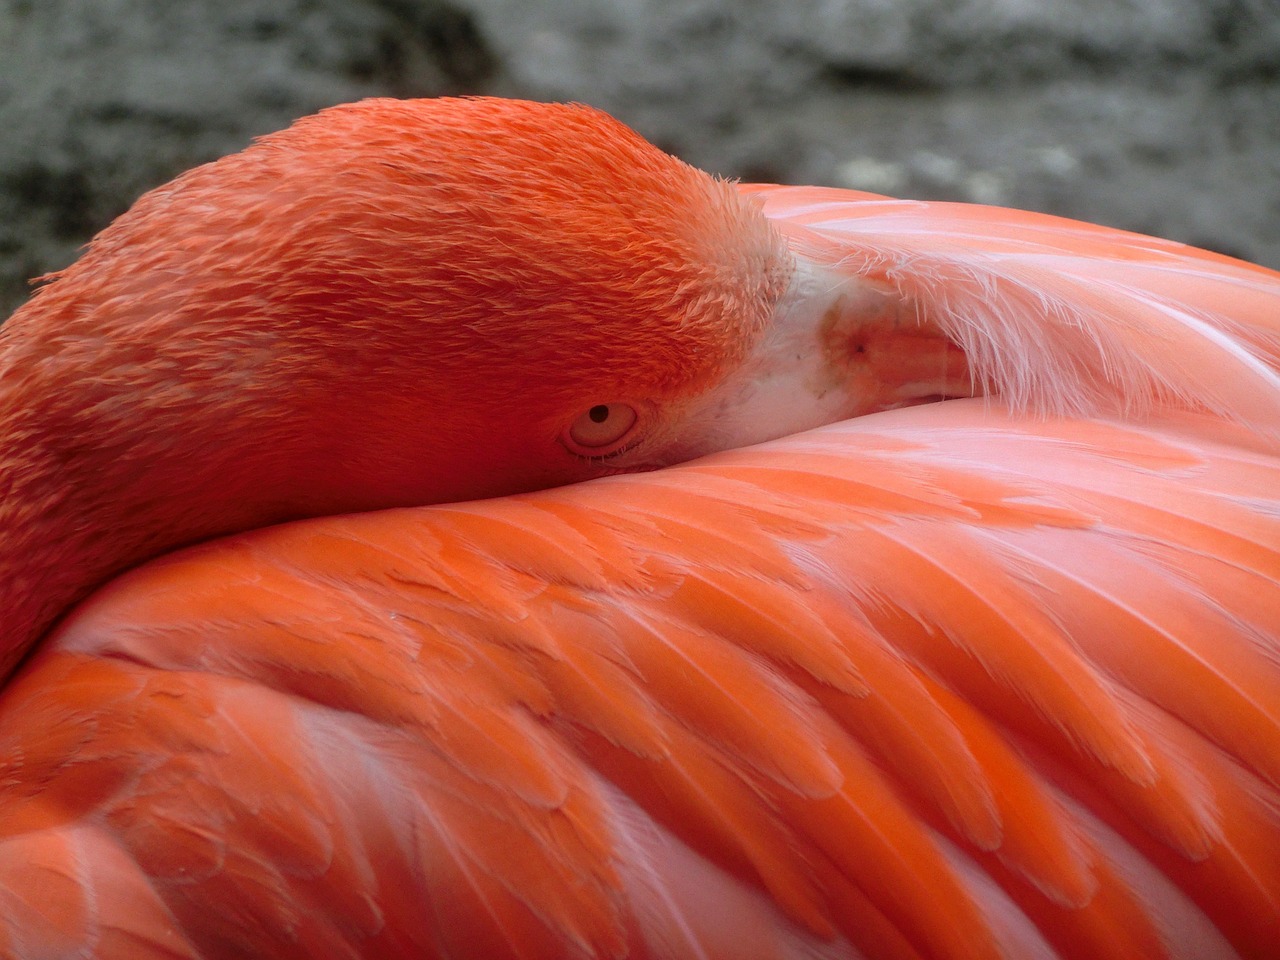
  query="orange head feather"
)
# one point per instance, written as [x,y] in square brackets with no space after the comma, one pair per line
[390,302]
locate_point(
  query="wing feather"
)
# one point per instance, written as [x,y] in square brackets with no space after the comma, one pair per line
[936,682]
[1054,315]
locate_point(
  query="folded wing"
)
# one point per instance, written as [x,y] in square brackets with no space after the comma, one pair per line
[937,682]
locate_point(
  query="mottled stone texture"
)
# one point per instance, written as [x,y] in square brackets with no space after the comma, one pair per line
[1157,115]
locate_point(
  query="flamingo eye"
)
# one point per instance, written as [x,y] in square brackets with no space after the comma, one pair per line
[599,430]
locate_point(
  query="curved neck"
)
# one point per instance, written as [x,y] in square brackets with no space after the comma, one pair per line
[52,551]
[109,456]
[41,576]
[72,515]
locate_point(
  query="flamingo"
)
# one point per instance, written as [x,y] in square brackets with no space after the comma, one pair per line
[456,528]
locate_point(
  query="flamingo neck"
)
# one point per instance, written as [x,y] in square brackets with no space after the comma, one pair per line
[43,570]
[114,450]
[52,550]
[79,503]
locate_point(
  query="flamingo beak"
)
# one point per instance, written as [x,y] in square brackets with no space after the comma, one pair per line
[839,346]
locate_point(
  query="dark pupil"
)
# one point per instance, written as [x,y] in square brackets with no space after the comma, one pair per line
[599,413]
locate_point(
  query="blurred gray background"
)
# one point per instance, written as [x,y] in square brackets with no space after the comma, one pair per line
[1157,115]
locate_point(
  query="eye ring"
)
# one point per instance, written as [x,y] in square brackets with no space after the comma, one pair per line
[601,429]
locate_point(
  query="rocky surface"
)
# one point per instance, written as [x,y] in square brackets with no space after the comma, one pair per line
[1158,115]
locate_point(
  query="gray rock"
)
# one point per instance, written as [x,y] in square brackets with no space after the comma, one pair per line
[1156,115]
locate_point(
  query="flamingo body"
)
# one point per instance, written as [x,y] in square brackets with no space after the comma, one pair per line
[984,677]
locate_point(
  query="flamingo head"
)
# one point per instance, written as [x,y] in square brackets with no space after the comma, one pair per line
[389,303]
[412,301]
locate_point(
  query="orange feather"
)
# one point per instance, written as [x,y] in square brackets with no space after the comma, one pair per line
[993,676]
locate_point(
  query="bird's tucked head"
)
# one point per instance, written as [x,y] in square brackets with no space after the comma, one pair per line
[415,300]
[391,302]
